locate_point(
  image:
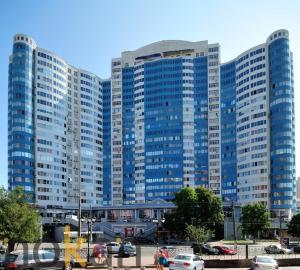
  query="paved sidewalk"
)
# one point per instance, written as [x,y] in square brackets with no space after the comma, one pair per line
[154,268]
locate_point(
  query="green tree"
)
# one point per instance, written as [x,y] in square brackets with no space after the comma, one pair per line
[294,226]
[198,207]
[209,211]
[19,221]
[198,234]
[255,218]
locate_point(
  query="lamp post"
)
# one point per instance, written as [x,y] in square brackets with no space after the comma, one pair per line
[78,196]
[233,220]
[157,222]
[90,221]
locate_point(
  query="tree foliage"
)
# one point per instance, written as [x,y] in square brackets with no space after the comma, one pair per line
[19,222]
[254,219]
[198,207]
[197,234]
[294,226]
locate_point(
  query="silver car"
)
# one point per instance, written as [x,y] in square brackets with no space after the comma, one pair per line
[277,249]
[263,263]
[186,262]
[113,247]
[35,260]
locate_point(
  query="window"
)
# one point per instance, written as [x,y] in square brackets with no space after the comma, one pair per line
[48,256]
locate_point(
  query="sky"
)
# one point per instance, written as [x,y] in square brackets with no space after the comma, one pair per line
[88,33]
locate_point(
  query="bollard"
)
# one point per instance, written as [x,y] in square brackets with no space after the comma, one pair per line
[247,251]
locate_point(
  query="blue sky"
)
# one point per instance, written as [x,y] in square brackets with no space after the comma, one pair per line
[88,33]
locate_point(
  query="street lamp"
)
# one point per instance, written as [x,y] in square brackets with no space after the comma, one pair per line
[90,221]
[78,196]
[233,220]
[157,222]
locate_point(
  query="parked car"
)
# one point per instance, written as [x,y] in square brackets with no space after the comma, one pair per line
[263,262]
[129,244]
[127,251]
[174,242]
[204,249]
[113,247]
[225,250]
[126,243]
[277,249]
[143,240]
[2,259]
[296,249]
[186,262]
[35,260]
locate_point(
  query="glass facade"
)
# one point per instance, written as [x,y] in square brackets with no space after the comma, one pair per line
[21,127]
[163,128]
[282,123]
[201,121]
[171,116]
[128,135]
[228,132]
[107,142]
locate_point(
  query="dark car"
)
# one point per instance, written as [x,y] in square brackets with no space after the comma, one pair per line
[143,240]
[204,249]
[34,260]
[127,251]
[2,259]
[296,248]
[225,250]
[174,242]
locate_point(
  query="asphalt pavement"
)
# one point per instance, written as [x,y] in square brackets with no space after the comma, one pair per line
[154,268]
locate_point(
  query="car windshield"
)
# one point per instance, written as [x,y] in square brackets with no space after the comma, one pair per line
[182,257]
[264,260]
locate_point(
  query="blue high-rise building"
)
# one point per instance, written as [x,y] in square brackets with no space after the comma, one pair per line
[169,94]
[258,130]
[55,128]
[170,116]
[21,124]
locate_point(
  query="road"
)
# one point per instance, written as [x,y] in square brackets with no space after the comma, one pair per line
[281,268]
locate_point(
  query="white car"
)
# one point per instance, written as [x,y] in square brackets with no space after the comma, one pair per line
[263,263]
[186,262]
[113,247]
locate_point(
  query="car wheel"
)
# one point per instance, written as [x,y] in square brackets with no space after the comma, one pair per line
[281,252]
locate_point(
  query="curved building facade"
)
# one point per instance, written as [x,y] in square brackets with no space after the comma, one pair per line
[170,116]
[282,122]
[260,84]
[55,128]
[21,124]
